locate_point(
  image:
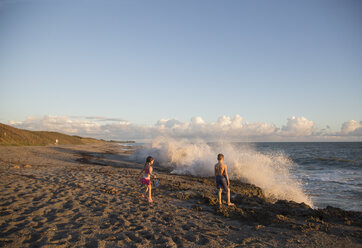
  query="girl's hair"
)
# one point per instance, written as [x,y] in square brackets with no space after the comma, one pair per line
[149,159]
[220,156]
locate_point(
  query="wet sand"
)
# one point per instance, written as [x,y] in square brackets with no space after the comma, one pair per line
[88,196]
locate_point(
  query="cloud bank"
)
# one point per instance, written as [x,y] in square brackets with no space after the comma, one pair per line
[352,128]
[224,128]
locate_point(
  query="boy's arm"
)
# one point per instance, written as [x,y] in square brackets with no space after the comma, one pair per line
[226,174]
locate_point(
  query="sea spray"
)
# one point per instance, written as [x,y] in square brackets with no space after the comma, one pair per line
[269,171]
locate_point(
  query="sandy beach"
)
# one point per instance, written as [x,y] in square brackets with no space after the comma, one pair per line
[88,196]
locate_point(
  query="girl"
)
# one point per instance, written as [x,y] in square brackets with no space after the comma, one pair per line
[146,179]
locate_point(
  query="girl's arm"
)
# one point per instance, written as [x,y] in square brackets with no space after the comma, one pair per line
[151,172]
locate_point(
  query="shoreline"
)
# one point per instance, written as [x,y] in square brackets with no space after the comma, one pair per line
[87,195]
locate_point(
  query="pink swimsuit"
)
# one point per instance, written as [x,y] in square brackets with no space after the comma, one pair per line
[145,180]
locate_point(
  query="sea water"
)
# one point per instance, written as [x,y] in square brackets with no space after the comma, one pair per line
[318,174]
[330,172]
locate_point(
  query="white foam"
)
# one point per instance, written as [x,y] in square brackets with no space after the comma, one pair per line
[271,172]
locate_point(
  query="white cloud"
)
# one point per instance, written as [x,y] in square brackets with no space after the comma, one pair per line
[59,124]
[352,127]
[224,121]
[259,129]
[197,121]
[225,128]
[297,127]
[168,123]
[228,122]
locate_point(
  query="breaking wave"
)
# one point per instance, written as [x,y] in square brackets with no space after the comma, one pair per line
[270,172]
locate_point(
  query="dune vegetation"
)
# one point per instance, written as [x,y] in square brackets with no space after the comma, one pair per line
[19,137]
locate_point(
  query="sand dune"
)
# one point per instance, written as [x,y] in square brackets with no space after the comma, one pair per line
[19,137]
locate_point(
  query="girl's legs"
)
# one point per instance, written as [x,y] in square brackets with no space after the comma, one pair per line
[146,189]
[149,192]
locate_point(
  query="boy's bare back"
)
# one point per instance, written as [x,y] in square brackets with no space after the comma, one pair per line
[220,169]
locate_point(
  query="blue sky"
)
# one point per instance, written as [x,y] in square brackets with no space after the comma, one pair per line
[145,61]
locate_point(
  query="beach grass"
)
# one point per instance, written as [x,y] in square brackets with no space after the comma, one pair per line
[10,136]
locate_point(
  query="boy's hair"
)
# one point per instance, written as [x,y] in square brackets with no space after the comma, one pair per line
[149,159]
[220,156]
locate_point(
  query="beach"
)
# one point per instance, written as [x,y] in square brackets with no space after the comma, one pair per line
[89,196]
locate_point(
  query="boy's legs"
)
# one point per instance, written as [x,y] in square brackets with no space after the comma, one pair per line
[220,191]
[229,202]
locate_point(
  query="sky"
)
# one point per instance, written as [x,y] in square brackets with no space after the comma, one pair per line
[243,70]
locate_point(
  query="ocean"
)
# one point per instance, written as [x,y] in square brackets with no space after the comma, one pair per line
[318,174]
[330,172]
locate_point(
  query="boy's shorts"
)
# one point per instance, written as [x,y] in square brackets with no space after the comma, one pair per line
[221,182]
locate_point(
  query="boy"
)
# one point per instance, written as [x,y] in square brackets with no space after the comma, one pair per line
[222,178]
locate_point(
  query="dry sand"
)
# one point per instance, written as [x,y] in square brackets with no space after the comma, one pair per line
[88,196]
